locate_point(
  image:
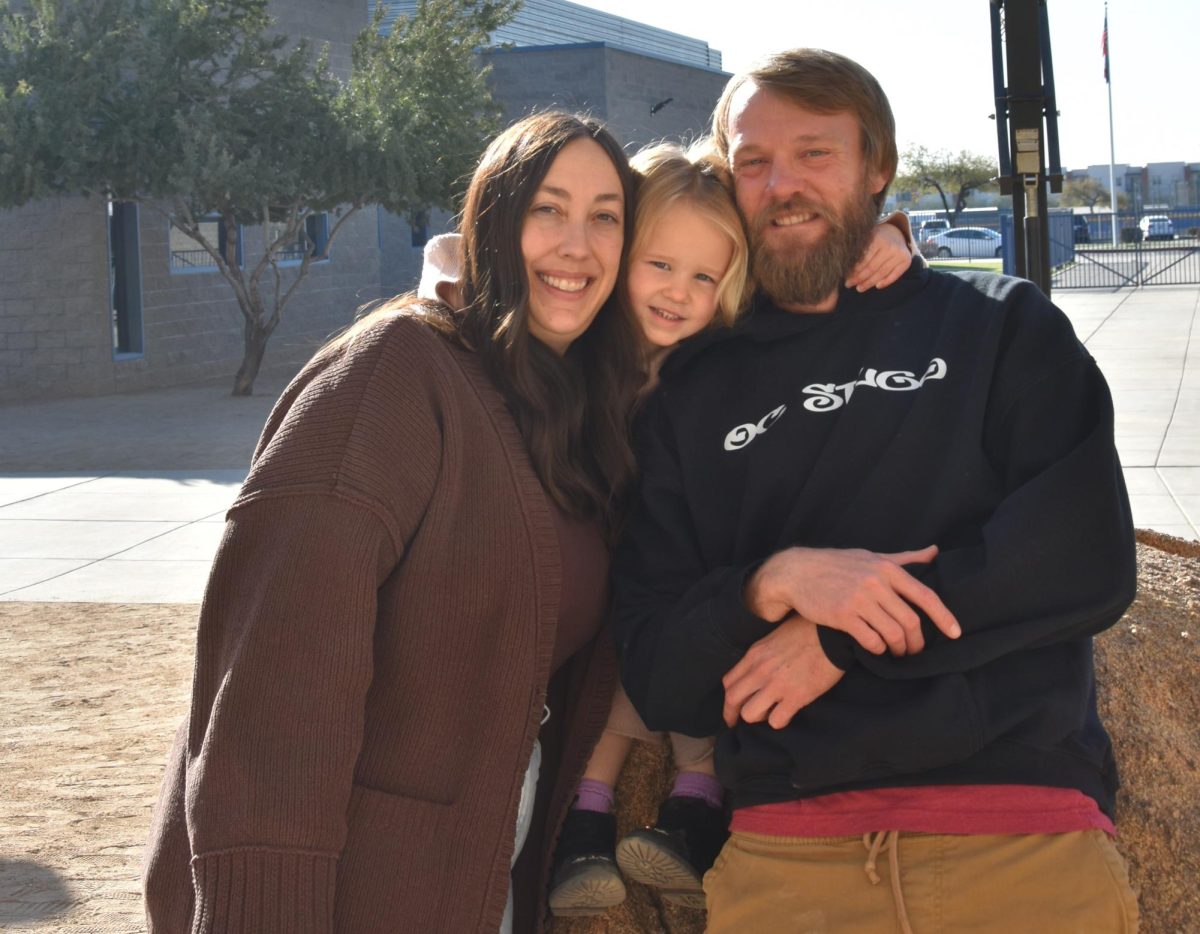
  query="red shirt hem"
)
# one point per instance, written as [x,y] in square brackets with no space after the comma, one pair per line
[950,809]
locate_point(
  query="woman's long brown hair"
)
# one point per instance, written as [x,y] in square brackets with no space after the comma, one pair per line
[573,410]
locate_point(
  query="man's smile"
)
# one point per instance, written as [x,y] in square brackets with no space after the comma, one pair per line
[790,220]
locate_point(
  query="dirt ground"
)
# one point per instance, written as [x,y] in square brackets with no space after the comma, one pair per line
[91,695]
[89,701]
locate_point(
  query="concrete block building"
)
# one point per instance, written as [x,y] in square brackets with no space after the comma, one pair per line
[98,298]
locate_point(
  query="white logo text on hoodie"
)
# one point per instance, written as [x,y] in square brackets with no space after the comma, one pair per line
[829,397]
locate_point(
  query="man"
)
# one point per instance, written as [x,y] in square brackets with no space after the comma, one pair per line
[874,537]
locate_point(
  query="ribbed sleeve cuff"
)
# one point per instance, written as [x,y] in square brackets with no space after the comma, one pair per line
[255,891]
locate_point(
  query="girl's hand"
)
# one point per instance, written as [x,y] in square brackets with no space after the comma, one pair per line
[886,259]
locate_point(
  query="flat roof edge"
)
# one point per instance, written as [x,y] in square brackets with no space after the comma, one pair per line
[600,44]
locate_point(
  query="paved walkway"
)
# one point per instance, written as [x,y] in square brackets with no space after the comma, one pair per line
[120,499]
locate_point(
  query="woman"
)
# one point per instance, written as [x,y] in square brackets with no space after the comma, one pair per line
[414,570]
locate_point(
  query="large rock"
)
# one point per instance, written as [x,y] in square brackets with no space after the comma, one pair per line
[1148,680]
[1148,687]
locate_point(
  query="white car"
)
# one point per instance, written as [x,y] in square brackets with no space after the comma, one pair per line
[1157,227]
[971,242]
[931,228]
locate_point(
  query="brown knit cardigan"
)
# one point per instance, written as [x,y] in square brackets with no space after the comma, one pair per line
[372,658]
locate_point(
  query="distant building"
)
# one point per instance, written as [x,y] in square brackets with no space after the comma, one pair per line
[98,298]
[1172,184]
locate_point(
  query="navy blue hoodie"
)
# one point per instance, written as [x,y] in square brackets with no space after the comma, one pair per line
[960,411]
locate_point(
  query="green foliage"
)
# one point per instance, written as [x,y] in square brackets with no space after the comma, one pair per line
[1083,191]
[953,176]
[195,108]
[153,99]
[417,103]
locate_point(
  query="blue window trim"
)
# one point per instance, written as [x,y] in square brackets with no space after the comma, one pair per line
[134,321]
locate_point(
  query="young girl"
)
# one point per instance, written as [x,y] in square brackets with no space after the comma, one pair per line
[688,270]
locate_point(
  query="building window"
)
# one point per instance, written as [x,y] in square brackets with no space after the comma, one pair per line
[187,255]
[316,230]
[125,278]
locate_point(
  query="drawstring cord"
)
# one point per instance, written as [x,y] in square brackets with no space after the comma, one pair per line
[887,841]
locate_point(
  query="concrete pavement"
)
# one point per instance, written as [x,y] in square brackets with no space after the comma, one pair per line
[120,499]
[1148,344]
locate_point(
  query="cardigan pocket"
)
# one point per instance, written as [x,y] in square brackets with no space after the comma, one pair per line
[397,858]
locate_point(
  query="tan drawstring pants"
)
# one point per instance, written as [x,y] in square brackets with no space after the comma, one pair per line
[917,883]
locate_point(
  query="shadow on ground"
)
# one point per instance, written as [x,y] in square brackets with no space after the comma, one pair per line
[30,892]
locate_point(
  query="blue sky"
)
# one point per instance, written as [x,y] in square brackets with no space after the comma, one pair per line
[934,60]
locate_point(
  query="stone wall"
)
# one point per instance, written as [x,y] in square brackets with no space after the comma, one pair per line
[559,77]
[616,86]
[635,83]
[55,310]
[54,332]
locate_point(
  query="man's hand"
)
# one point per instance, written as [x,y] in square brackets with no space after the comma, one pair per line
[782,672]
[864,594]
[886,258]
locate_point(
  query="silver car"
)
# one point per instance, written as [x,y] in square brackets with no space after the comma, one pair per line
[973,242]
[1157,227]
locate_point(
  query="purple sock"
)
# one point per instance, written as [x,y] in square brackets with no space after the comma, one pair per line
[593,796]
[697,785]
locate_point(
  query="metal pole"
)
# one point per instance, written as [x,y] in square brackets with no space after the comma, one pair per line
[1112,146]
[1027,141]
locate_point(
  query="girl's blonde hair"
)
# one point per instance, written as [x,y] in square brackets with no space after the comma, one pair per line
[668,174]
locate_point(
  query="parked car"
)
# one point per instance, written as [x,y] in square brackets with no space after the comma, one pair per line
[930,228]
[1157,227]
[1079,228]
[966,241]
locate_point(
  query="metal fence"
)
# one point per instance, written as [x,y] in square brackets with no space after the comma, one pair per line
[180,260]
[1096,262]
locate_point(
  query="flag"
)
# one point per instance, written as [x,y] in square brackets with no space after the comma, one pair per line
[1104,44]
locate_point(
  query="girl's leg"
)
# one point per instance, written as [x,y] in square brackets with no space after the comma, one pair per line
[674,854]
[585,878]
[692,754]
[695,777]
[604,767]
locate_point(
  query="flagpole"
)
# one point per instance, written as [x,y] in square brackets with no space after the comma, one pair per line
[1112,146]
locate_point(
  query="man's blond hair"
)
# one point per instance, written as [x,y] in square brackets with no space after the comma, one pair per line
[823,82]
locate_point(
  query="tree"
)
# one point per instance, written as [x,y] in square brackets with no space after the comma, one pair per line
[1083,191]
[196,109]
[952,176]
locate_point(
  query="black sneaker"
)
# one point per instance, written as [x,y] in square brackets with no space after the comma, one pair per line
[677,851]
[585,879]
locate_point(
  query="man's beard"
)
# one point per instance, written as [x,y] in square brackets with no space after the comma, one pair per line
[796,274]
